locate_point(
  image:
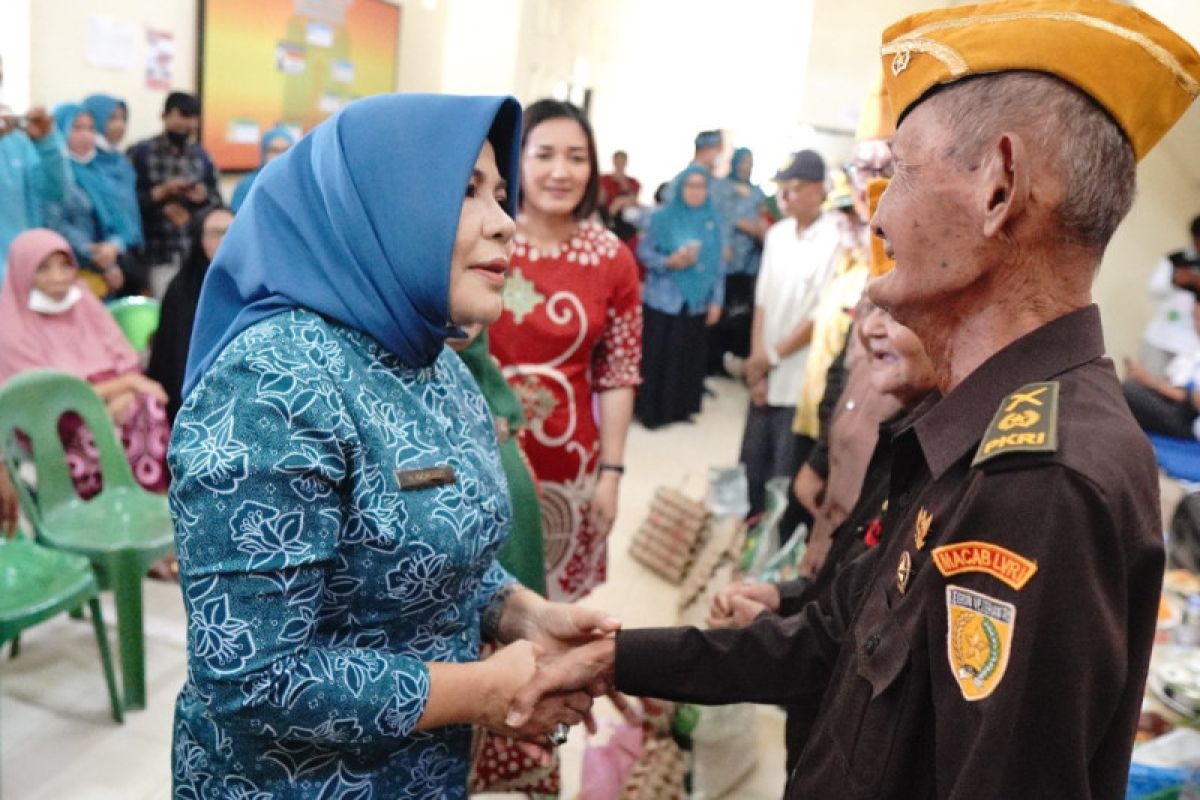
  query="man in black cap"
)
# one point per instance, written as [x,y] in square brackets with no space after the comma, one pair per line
[175,179]
[798,258]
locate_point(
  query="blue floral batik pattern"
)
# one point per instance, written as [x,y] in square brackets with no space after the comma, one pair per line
[315,588]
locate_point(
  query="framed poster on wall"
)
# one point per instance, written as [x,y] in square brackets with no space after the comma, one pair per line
[287,62]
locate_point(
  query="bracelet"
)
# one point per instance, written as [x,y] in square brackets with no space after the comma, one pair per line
[489,620]
[617,468]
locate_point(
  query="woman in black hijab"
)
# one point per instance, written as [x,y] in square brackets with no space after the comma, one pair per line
[168,357]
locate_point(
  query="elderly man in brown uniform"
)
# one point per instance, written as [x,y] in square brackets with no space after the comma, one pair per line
[995,644]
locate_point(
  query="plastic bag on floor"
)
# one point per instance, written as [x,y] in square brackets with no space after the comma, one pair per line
[728,491]
[724,749]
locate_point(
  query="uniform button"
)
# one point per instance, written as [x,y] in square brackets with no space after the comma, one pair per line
[872,644]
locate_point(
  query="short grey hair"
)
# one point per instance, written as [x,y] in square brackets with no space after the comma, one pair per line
[1097,164]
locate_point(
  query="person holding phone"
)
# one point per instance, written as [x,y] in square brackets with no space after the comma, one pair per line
[176,178]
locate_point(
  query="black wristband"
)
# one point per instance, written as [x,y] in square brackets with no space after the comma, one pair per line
[617,468]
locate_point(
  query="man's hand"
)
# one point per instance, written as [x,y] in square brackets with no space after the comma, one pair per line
[38,123]
[172,187]
[738,604]
[586,668]
[713,316]
[176,214]
[758,392]
[8,503]
[809,488]
[197,193]
[757,367]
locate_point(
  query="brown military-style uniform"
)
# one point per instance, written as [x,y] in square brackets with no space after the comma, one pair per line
[995,644]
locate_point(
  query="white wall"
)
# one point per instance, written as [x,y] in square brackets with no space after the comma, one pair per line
[59,70]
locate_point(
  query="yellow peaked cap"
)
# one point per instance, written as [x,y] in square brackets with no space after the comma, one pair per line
[1139,70]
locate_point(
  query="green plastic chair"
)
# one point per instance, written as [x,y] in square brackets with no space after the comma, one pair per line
[122,530]
[37,583]
[137,318]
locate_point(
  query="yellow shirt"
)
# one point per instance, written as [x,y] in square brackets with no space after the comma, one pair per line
[831,322]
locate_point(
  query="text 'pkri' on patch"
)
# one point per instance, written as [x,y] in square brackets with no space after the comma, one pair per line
[425,478]
[1026,422]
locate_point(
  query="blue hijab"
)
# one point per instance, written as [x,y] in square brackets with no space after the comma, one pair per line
[677,223]
[738,155]
[357,222]
[91,179]
[116,167]
[243,187]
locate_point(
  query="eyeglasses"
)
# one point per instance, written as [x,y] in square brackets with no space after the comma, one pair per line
[860,173]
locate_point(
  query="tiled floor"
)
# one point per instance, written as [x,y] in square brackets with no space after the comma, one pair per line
[57,741]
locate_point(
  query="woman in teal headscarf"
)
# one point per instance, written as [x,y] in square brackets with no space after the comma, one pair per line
[337,496]
[739,204]
[89,217]
[111,116]
[683,293]
[274,143]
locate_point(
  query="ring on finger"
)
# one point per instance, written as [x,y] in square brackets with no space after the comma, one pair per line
[558,737]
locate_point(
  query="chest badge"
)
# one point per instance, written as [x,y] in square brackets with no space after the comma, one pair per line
[979,634]
[904,572]
[921,531]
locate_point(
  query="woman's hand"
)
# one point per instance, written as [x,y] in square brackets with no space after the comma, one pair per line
[143,385]
[714,316]
[120,406]
[684,257]
[507,671]
[553,627]
[602,508]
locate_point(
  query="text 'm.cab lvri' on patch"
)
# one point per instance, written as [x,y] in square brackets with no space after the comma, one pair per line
[425,478]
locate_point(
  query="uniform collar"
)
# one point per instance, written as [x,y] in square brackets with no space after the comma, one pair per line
[947,427]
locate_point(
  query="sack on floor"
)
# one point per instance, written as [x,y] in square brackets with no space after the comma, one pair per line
[724,749]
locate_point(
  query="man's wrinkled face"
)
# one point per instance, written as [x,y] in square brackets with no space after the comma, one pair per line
[928,221]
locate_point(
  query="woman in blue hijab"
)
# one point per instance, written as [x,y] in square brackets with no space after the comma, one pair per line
[274,143]
[684,290]
[111,116]
[337,495]
[90,216]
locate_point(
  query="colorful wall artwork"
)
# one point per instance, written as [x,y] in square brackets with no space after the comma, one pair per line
[290,62]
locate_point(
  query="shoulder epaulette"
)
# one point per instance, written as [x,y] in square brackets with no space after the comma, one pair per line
[1026,422]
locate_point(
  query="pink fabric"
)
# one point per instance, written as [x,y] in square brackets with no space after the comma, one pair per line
[83,341]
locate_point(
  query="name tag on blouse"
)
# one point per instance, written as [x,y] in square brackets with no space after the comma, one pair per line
[427,478]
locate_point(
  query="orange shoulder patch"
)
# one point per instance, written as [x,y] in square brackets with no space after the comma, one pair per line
[992,559]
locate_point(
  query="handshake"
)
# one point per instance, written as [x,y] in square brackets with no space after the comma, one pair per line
[561,657]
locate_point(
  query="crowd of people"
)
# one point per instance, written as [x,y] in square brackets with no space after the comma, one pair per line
[398,399]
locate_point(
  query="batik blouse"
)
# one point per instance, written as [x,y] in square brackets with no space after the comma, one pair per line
[320,572]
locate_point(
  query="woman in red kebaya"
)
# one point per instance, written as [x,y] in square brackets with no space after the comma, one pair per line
[571,329]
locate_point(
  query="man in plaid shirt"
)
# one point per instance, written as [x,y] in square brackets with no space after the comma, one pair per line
[176,178]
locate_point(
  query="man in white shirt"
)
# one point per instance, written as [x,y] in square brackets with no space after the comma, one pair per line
[1175,283]
[798,260]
